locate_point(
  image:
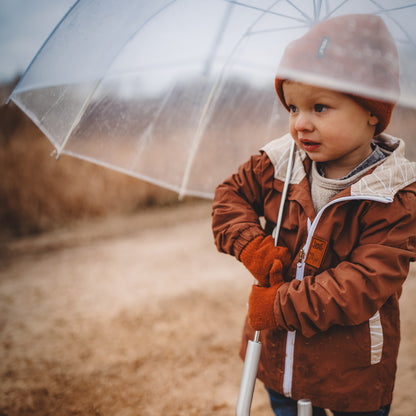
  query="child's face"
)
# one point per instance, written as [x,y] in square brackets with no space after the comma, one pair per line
[329,126]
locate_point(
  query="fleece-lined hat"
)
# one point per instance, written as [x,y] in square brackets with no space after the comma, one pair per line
[353,54]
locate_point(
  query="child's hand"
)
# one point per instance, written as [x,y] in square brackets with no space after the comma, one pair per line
[265,261]
[261,307]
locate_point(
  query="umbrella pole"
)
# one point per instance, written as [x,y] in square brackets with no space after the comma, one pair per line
[248,380]
[252,358]
[304,407]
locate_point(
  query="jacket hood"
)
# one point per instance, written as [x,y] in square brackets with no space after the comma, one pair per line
[394,173]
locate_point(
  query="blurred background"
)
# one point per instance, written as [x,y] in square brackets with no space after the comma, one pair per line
[113,298]
[39,193]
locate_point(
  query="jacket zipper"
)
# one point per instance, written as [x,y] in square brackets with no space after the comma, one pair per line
[300,269]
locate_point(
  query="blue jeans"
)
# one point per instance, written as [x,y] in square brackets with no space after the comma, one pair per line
[284,406]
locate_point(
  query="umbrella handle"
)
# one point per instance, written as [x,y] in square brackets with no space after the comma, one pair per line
[248,380]
[305,407]
[252,358]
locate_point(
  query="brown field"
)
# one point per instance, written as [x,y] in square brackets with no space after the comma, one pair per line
[113,298]
[39,193]
[136,315]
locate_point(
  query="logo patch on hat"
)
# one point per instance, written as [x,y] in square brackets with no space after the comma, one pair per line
[316,252]
[322,47]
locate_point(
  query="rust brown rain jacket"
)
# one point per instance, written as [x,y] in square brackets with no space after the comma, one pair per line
[337,315]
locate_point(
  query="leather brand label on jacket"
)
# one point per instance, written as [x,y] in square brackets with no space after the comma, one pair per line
[316,252]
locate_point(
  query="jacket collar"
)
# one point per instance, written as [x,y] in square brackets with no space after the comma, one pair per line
[394,173]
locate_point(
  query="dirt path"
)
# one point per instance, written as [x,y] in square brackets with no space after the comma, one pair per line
[135,316]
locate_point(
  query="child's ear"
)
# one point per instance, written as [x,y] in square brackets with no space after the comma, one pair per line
[373,120]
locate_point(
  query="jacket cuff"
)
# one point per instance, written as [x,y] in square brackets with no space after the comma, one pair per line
[246,236]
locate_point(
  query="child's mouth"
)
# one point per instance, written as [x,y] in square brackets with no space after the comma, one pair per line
[309,146]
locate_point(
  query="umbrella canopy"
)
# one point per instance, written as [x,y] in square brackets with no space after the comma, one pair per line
[180,92]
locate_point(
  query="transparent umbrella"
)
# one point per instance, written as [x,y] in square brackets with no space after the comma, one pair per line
[179,92]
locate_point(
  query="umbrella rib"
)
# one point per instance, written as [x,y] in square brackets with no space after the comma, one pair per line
[87,101]
[327,5]
[329,14]
[316,8]
[56,102]
[162,9]
[144,138]
[218,39]
[205,113]
[77,119]
[280,29]
[300,11]
[267,11]
[198,137]
[409,39]
[384,10]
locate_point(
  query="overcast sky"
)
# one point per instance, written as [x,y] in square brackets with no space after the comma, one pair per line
[24,26]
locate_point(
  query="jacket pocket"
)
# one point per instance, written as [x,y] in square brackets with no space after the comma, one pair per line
[376,338]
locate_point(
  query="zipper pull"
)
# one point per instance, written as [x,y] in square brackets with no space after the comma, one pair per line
[299,269]
[301,257]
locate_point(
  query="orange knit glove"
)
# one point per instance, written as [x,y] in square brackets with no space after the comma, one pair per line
[265,261]
[261,307]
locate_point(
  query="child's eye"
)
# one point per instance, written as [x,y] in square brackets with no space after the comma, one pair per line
[320,108]
[293,109]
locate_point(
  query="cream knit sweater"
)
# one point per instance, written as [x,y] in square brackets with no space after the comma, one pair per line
[324,189]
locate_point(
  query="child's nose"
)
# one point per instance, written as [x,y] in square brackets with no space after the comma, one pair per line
[303,122]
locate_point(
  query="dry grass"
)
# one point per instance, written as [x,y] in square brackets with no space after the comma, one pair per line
[138,316]
[39,193]
[120,317]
